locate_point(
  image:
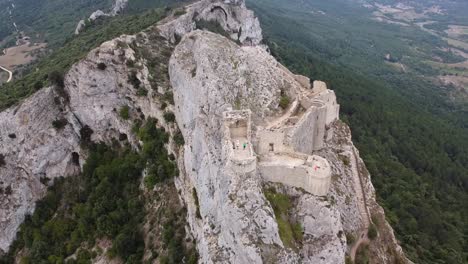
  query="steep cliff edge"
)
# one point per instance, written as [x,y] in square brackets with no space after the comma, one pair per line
[229,210]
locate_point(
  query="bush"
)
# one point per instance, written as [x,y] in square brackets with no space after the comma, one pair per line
[180,12]
[197,203]
[350,239]
[290,232]
[38,85]
[142,92]
[124,112]
[169,97]
[169,117]
[362,254]
[179,138]
[372,232]
[85,133]
[133,80]
[101,66]
[284,102]
[2,160]
[56,78]
[59,123]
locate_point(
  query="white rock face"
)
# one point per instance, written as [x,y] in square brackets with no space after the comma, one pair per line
[33,149]
[239,22]
[117,8]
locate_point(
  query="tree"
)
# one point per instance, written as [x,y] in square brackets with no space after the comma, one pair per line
[56,78]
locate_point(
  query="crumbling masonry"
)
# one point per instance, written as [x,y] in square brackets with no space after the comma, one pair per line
[283,150]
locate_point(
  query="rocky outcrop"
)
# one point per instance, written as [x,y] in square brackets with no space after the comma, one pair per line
[231,15]
[86,109]
[34,152]
[117,8]
[208,74]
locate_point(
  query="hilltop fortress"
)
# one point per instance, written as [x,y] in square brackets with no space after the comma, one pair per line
[282,148]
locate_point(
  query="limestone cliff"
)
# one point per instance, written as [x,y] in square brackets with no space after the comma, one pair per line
[210,74]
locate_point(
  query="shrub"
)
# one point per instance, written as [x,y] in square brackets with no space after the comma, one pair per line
[284,102]
[345,159]
[350,239]
[124,112]
[372,232]
[142,92]
[38,85]
[59,123]
[297,231]
[197,203]
[290,232]
[133,80]
[362,254]
[348,260]
[85,133]
[179,138]
[169,97]
[180,12]
[101,66]
[169,117]
[2,160]
[56,78]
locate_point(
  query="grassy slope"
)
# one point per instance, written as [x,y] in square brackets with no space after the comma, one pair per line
[418,159]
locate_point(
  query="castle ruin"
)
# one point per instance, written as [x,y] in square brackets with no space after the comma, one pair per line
[283,150]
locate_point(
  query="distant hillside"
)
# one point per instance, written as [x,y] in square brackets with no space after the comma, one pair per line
[51,21]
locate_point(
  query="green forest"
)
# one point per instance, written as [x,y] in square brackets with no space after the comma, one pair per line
[416,153]
[54,21]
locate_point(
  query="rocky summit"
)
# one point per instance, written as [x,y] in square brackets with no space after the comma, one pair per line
[253,132]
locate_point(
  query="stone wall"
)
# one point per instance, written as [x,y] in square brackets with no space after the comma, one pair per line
[308,134]
[333,109]
[267,137]
[316,182]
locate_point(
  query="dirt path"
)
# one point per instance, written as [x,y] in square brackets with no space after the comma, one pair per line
[10,74]
[279,121]
[362,206]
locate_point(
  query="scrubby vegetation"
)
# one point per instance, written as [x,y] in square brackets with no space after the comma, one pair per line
[372,232]
[160,167]
[59,123]
[105,202]
[284,101]
[169,117]
[197,203]
[290,231]
[362,255]
[124,112]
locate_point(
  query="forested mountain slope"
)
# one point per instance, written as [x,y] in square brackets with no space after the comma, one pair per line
[418,157]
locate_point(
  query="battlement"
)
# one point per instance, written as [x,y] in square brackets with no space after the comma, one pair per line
[237,130]
[285,146]
[311,173]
